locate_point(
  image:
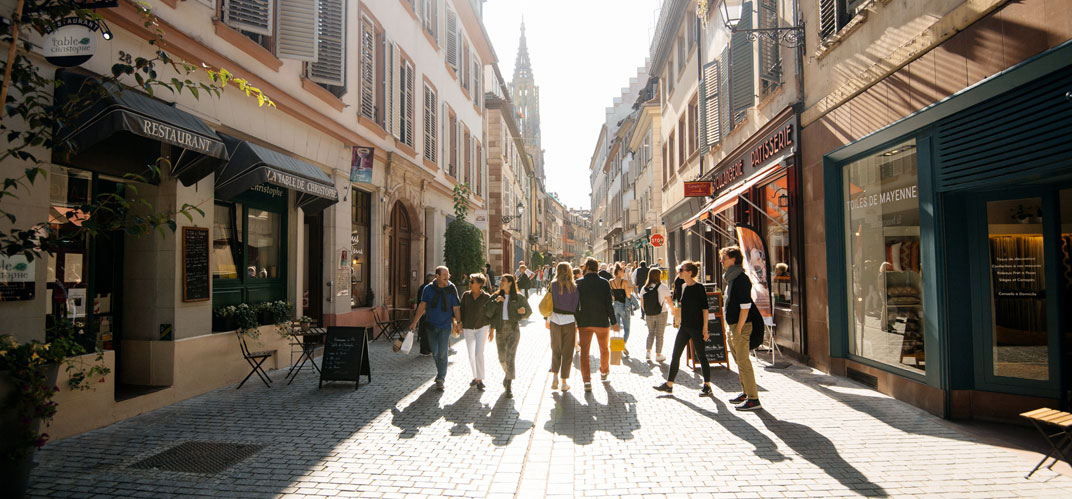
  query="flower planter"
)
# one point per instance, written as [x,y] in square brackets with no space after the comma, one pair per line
[220,324]
[265,318]
[15,475]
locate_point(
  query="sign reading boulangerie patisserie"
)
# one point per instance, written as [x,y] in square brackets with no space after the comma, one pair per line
[753,157]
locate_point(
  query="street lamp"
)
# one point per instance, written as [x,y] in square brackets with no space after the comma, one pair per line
[789,36]
[520,211]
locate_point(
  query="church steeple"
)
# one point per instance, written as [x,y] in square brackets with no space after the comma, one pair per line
[526,97]
[522,66]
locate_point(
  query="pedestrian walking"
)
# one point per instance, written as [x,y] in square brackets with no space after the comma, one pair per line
[422,325]
[489,286]
[737,308]
[523,279]
[655,297]
[622,292]
[694,315]
[441,309]
[603,272]
[563,324]
[506,310]
[595,316]
[679,286]
[640,276]
[476,326]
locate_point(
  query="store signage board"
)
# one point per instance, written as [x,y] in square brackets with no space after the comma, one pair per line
[361,164]
[17,278]
[72,42]
[346,356]
[195,271]
[774,146]
[698,189]
[299,184]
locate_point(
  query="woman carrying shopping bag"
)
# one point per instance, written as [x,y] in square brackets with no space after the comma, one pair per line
[563,324]
[506,309]
[476,326]
[622,292]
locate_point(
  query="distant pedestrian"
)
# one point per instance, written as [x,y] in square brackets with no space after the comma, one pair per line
[655,297]
[622,292]
[563,324]
[640,275]
[489,286]
[593,318]
[422,325]
[738,306]
[506,309]
[694,316]
[476,326]
[524,282]
[679,286]
[441,309]
[603,272]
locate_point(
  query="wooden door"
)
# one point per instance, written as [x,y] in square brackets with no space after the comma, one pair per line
[400,256]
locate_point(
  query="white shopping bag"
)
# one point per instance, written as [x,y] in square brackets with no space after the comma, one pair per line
[407,344]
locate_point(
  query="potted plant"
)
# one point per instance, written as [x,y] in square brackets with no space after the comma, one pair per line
[305,322]
[28,373]
[223,318]
[245,319]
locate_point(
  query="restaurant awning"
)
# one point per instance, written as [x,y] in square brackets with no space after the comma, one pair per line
[252,165]
[121,131]
[729,197]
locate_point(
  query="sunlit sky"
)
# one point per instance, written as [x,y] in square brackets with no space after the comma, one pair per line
[583,52]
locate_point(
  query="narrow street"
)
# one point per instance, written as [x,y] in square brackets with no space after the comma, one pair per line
[818,436]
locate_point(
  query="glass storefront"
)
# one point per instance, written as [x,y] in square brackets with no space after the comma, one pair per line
[248,247]
[885,298]
[776,205]
[360,248]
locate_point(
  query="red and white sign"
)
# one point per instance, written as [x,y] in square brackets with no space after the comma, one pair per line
[656,240]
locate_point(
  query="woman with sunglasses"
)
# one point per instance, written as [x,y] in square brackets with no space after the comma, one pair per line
[693,314]
[475,326]
[506,309]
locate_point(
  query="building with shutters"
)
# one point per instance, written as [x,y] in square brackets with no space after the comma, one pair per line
[646,180]
[935,165]
[509,165]
[746,126]
[289,214]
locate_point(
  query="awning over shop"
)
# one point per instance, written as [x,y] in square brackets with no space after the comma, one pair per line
[121,131]
[729,197]
[252,165]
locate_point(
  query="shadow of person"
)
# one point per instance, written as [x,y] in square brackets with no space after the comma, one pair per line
[638,367]
[467,409]
[763,446]
[619,415]
[820,451]
[570,418]
[502,424]
[423,411]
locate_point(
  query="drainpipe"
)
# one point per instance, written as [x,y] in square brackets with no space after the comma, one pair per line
[699,74]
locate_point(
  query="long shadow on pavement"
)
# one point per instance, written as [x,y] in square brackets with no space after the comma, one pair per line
[580,422]
[765,448]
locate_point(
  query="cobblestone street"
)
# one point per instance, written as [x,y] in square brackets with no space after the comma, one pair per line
[818,436]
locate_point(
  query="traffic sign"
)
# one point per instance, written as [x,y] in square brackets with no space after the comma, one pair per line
[656,240]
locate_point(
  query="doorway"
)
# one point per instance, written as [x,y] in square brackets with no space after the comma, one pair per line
[313,295]
[400,256]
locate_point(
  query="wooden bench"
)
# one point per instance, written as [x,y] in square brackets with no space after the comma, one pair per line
[1045,421]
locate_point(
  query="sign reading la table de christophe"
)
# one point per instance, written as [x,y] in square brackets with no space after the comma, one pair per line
[72,42]
[299,184]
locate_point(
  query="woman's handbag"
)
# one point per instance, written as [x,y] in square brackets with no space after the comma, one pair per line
[617,346]
[547,304]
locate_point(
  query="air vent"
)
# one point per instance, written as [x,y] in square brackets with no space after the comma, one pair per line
[207,458]
[862,378]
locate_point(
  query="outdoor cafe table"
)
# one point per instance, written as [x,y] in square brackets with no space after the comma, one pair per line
[302,338]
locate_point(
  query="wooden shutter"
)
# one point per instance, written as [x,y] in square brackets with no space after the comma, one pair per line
[430,123]
[724,122]
[330,65]
[742,85]
[452,39]
[468,148]
[254,16]
[368,70]
[296,36]
[407,104]
[710,132]
[828,18]
[478,71]
[770,64]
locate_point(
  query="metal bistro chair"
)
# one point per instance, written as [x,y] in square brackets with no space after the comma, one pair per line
[390,325]
[255,359]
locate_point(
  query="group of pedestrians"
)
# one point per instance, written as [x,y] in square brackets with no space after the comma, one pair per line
[588,303]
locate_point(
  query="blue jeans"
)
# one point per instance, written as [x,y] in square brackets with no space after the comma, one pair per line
[621,314]
[438,339]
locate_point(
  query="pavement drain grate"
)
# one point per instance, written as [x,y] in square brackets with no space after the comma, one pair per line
[198,457]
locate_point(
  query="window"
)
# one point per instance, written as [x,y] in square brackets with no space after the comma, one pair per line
[478,73]
[742,86]
[452,39]
[252,18]
[883,248]
[452,140]
[836,14]
[360,247]
[693,121]
[666,161]
[480,171]
[430,17]
[776,205]
[681,54]
[405,103]
[263,237]
[329,70]
[429,124]
[248,259]
[671,156]
[682,153]
[770,64]
[468,172]
[690,34]
[464,76]
[226,242]
[368,69]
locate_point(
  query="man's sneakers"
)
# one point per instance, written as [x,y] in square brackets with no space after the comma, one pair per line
[665,388]
[738,399]
[749,405]
[603,376]
[439,385]
[706,391]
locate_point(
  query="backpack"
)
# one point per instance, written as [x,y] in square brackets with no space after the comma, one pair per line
[651,301]
[758,327]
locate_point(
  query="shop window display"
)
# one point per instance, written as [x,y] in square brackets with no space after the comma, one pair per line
[776,205]
[883,247]
[359,250]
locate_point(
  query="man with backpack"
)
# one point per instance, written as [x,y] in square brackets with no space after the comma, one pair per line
[441,310]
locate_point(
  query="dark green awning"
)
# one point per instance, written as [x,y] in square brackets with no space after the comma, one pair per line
[251,165]
[121,132]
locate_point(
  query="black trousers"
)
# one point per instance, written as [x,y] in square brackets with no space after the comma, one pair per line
[423,337]
[683,337]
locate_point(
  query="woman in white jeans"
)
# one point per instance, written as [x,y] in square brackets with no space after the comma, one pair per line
[476,326]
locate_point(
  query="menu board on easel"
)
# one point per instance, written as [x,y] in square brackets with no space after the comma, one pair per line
[195,279]
[715,346]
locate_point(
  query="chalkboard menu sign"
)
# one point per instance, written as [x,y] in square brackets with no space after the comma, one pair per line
[346,356]
[195,282]
[715,346]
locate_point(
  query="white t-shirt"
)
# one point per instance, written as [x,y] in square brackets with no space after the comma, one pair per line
[664,293]
[506,313]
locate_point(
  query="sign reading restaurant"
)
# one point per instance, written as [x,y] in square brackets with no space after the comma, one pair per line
[754,156]
[176,136]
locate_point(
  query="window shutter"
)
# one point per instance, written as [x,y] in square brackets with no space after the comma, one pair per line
[444,154]
[710,131]
[392,93]
[297,27]
[478,70]
[330,65]
[463,75]
[368,70]
[742,91]
[254,16]
[770,65]
[406,103]
[724,90]
[452,39]
[430,123]
[828,18]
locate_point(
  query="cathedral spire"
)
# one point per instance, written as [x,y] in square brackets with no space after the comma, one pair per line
[522,66]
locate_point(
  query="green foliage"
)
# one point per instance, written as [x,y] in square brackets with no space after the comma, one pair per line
[536,260]
[463,251]
[244,317]
[461,201]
